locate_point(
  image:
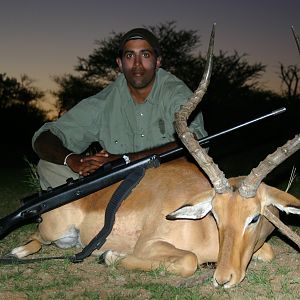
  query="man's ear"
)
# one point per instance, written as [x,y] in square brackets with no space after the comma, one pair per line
[119,63]
[158,62]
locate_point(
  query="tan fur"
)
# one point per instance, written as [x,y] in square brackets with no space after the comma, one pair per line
[142,237]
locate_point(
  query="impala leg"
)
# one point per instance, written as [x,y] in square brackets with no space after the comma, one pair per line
[64,235]
[161,254]
[32,246]
[264,253]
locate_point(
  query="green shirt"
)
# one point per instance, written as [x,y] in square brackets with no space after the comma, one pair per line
[120,125]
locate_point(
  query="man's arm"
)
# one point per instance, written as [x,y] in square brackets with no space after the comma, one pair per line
[91,163]
[157,150]
[49,147]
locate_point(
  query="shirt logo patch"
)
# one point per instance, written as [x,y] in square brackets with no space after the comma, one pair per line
[162,127]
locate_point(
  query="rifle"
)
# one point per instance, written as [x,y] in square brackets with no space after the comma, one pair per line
[35,205]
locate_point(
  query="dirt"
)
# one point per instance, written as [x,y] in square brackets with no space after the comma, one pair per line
[60,279]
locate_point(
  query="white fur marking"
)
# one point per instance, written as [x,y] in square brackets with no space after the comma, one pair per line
[69,239]
[19,252]
[288,210]
[112,257]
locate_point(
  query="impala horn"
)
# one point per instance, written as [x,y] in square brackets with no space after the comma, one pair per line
[251,183]
[216,176]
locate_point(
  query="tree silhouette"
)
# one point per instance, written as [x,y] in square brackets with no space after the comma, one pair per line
[234,95]
[19,116]
[72,89]
[232,74]
[290,76]
[13,92]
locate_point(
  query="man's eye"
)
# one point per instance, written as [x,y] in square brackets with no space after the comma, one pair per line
[129,55]
[146,55]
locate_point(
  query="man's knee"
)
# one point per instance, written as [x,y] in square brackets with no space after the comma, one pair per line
[53,175]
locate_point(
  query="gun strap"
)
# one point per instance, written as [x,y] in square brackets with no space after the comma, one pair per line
[120,194]
[12,260]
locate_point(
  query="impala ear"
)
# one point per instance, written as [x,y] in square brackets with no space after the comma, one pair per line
[200,208]
[282,200]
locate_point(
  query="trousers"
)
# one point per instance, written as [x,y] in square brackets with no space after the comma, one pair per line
[52,175]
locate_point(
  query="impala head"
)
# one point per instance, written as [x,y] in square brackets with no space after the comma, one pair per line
[238,205]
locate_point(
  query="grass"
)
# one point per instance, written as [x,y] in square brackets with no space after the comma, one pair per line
[24,281]
[16,183]
[89,280]
[63,280]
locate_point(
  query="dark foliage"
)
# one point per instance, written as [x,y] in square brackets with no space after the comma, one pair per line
[19,118]
[233,96]
[72,90]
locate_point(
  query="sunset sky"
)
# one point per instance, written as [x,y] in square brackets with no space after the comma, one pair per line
[44,38]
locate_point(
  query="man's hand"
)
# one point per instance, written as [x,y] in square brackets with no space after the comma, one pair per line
[89,164]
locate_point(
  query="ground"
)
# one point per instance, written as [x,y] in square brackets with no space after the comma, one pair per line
[61,279]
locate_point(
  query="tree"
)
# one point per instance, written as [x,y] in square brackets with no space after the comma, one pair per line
[290,76]
[233,96]
[234,82]
[19,115]
[179,51]
[72,89]
[99,68]
[232,76]
[13,92]
[177,48]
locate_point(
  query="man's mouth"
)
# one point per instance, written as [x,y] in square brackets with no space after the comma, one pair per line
[137,74]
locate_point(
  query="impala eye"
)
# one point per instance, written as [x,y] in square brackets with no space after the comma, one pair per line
[255,219]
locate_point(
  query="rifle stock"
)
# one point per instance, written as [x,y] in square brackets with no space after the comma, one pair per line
[37,204]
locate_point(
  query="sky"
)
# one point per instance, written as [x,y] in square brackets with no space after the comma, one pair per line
[43,39]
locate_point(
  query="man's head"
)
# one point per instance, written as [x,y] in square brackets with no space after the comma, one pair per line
[139,58]
[140,33]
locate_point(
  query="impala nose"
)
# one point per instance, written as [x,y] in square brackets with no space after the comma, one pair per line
[227,278]
[225,281]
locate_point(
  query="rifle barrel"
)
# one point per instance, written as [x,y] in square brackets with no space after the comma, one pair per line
[174,153]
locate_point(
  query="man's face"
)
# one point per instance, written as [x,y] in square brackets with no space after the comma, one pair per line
[139,64]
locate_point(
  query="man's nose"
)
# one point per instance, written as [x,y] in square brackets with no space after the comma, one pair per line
[137,60]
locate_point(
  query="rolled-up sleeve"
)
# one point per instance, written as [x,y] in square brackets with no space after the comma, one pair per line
[78,127]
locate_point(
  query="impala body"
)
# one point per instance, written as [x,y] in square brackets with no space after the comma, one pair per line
[179,216]
[173,218]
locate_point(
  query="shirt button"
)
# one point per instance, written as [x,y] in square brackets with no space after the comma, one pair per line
[142,114]
[142,135]
[116,142]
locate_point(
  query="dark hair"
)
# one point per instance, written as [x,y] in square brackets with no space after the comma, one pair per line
[140,33]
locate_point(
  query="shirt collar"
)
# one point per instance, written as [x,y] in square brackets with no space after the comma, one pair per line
[151,97]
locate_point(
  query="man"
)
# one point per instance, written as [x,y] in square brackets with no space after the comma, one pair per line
[131,118]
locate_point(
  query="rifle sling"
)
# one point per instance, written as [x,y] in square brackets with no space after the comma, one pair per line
[121,193]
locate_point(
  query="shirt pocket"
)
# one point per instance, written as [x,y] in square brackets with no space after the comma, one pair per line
[116,139]
[162,132]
